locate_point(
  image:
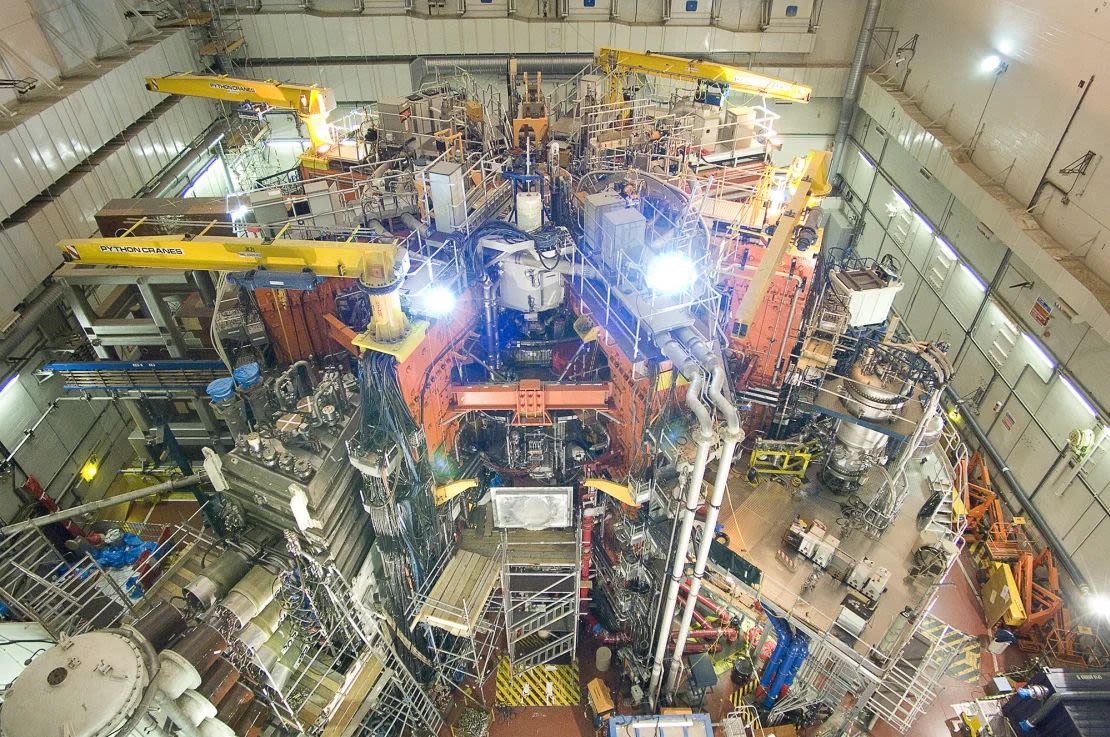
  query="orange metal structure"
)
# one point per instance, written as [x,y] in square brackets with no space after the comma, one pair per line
[1048,627]
[530,399]
[1042,602]
[1004,539]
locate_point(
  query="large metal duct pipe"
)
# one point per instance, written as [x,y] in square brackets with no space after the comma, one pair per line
[855,82]
[732,437]
[175,177]
[422,68]
[704,436]
[30,318]
[1057,545]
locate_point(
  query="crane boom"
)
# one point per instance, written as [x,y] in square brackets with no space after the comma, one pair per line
[380,267]
[674,67]
[311,102]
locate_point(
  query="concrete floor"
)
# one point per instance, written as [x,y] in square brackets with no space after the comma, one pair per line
[756,518]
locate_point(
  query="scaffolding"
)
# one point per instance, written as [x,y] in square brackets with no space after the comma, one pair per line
[541,588]
[460,609]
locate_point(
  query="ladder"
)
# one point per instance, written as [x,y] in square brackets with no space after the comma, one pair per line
[405,697]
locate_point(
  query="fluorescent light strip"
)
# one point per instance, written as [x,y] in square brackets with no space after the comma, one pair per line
[979,283]
[901,200]
[866,161]
[946,249]
[922,222]
[1036,346]
[7,383]
[1079,395]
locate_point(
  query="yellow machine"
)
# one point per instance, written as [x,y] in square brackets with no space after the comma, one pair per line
[312,103]
[380,268]
[722,78]
[781,458]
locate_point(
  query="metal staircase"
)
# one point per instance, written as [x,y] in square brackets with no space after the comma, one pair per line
[911,681]
[404,702]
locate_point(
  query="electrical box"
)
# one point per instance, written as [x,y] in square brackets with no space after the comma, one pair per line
[395,121]
[623,232]
[860,575]
[707,124]
[869,294]
[823,552]
[593,208]
[269,208]
[739,127]
[445,180]
[812,536]
[528,286]
[421,119]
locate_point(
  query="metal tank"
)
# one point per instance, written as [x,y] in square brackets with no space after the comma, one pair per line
[876,399]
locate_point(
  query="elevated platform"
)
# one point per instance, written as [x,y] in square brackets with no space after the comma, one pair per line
[457,600]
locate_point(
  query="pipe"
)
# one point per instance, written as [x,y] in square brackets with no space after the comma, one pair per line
[855,79]
[80,509]
[783,640]
[700,618]
[1060,552]
[718,609]
[30,317]
[704,436]
[733,435]
[799,648]
[167,179]
[376,226]
[489,303]
[729,633]
[413,224]
[177,716]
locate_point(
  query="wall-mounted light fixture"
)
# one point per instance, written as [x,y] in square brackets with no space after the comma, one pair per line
[89,470]
[993,64]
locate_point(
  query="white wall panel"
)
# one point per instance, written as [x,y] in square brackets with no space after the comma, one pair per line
[286,35]
[28,248]
[43,146]
[1063,273]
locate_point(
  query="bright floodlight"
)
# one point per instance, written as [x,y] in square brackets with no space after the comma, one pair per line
[438,301]
[990,64]
[670,273]
[1099,604]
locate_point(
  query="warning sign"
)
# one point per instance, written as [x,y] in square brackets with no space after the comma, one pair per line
[1041,311]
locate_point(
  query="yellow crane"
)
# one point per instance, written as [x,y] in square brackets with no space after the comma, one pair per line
[311,103]
[621,62]
[380,268]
